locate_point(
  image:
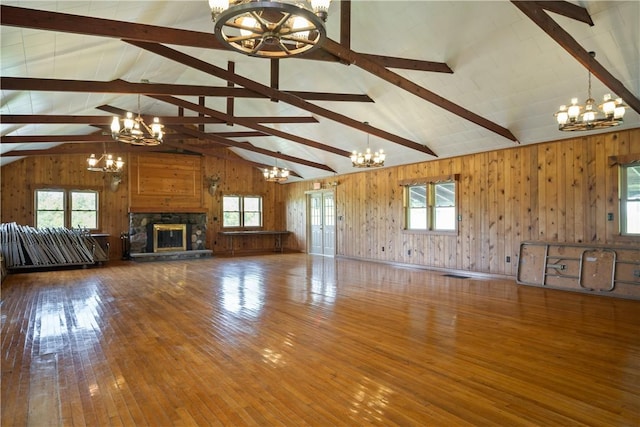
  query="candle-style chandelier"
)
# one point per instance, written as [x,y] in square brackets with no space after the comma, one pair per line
[104,163]
[578,117]
[135,131]
[276,174]
[270,29]
[368,159]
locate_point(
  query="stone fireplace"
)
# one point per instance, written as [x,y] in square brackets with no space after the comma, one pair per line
[164,233]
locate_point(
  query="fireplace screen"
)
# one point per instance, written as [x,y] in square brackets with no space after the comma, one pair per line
[169,237]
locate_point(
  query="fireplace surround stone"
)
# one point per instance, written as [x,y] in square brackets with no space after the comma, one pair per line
[141,230]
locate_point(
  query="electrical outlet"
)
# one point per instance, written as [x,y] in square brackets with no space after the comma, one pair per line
[383,249]
[508,259]
[409,252]
[610,216]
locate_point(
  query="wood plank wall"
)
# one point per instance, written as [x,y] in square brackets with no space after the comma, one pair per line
[559,191]
[22,177]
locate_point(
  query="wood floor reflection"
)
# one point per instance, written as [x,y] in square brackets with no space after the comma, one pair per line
[300,340]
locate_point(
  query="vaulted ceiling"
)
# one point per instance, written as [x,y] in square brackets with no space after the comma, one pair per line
[431,79]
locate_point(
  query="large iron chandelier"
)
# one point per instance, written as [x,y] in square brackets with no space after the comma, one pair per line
[270,29]
[135,131]
[577,117]
[368,159]
[276,174]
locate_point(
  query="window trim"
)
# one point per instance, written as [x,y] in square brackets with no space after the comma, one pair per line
[67,204]
[623,198]
[430,184]
[242,212]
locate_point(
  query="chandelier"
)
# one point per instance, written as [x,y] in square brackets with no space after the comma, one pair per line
[109,165]
[270,29]
[135,131]
[368,160]
[276,174]
[578,117]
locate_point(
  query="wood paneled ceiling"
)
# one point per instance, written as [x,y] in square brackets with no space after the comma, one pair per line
[432,79]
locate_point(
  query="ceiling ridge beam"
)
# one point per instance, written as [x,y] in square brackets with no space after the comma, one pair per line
[536,13]
[275,94]
[123,86]
[378,70]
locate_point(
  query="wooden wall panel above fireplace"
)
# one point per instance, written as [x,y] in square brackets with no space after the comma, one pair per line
[156,187]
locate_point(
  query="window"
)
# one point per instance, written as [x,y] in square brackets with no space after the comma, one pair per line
[630,199]
[431,206]
[66,208]
[241,211]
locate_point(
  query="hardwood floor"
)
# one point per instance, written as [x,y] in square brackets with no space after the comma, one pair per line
[301,340]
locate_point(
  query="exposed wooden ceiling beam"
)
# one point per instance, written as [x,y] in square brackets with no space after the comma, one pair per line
[223,142]
[63,149]
[33,139]
[251,125]
[77,24]
[45,139]
[172,120]
[216,153]
[567,9]
[275,94]
[408,64]
[246,146]
[29,139]
[122,86]
[375,68]
[385,61]
[345,23]
[535,12]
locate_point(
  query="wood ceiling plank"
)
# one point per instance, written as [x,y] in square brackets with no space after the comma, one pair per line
[275,94]
[535,12]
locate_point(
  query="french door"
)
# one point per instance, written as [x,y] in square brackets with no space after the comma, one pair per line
[321,223]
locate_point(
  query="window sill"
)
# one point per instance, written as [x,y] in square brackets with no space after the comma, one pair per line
[432,232]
